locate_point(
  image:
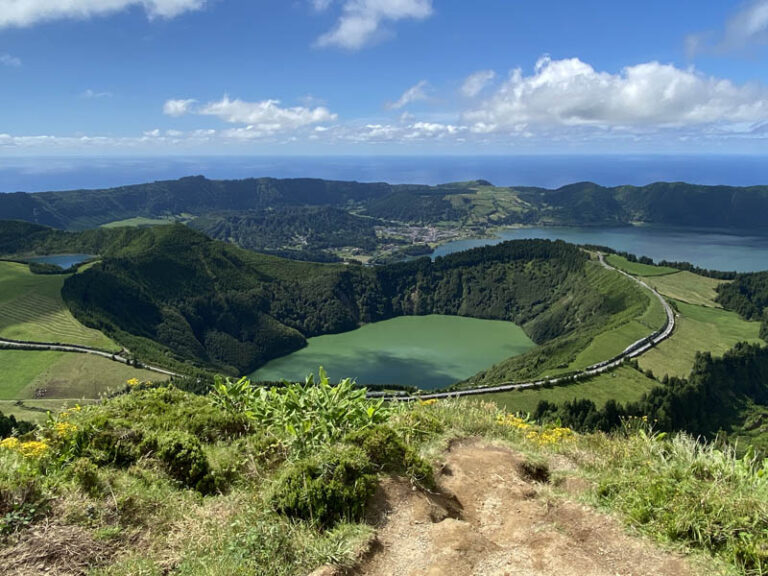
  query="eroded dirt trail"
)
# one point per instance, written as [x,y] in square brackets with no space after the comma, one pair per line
[498,524]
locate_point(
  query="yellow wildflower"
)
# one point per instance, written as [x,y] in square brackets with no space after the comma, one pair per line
[33,449]
[133,382]
[10,443]
[64,429]
[428,402]
[512,421]
[551,436]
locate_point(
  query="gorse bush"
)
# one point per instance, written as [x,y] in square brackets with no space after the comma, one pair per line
[184,459]
[303,416]
[328,488]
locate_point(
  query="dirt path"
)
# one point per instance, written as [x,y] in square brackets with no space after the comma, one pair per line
[499,524]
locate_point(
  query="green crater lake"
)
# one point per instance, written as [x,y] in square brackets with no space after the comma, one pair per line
[424,351]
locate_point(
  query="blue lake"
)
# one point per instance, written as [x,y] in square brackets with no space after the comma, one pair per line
[62,260]
[716,250]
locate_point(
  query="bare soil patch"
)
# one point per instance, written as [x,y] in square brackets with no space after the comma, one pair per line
[492,518]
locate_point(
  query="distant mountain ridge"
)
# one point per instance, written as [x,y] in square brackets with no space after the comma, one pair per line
[584,203]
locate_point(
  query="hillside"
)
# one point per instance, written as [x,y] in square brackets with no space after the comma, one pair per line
[175,294]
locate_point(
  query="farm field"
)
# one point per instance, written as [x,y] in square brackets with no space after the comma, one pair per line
[54,375]
[699,329]
[624,384]
[31,308]
[636,268]
[687,287]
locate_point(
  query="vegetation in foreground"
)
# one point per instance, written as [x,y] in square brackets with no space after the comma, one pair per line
[250,480]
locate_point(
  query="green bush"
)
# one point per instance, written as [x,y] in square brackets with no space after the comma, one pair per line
[388,453]
[184,459]
[329,488]
[108,441]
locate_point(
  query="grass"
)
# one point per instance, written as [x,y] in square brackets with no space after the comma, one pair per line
[31,308]
[29,374]
[624,384]
[636,268]
[699,329]
[687,287]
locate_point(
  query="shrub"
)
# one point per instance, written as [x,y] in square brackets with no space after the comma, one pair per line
[108,441]
[326,489]
[184,459]
[388,453]
[86,473]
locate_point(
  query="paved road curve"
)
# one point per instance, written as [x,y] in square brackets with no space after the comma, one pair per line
[632,351]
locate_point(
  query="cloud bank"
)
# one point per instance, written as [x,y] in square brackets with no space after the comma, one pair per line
[571,93]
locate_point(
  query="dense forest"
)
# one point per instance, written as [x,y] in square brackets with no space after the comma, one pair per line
[174,294]
[307,228]
[584,203]
[748,295]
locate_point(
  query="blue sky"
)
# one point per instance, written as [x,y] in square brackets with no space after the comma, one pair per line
[166,77]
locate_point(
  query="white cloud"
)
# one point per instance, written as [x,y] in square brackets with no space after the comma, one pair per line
[747,27]
[361,20]
[477,82]
[20,13]
[10,61]
[177,107]
[413,94]
[91,94]
[266,116]
[569,93]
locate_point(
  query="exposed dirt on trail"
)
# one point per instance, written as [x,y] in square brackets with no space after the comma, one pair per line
[495,522]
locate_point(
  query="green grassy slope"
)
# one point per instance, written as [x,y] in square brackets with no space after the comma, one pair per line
[687,287]
[55,375]
[625,384]
[31,308]
[699,329]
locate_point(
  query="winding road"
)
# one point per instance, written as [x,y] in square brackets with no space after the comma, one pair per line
[632,351]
